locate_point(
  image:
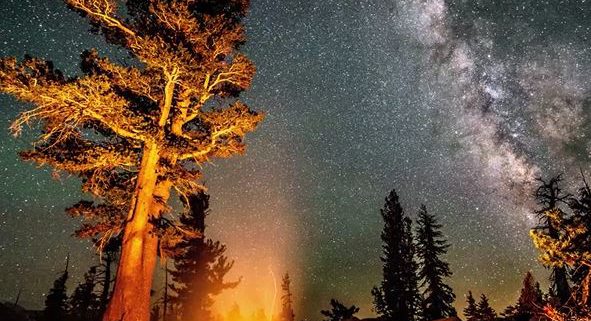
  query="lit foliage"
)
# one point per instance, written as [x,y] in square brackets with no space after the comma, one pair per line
[560,252]
[179,100]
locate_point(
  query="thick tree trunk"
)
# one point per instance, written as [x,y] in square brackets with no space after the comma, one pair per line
[131,295]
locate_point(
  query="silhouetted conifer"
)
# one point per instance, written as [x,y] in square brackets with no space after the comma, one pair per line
[200,265]
[85,303]
[438,297]
[471,309]
[109,256]
[339,312]
[540,297]
[484,311]
[528,304]
[56,302]
[397,297]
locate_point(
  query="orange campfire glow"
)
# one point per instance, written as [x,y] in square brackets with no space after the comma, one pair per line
[256,299]
[263,250]
[258,227]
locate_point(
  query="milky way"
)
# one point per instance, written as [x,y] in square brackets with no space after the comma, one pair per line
[500,100]
[457,104]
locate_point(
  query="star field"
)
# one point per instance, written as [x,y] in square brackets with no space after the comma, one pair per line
[457,104]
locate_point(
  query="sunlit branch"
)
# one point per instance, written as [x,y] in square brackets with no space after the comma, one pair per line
[171,78]
[74,101]
[129,78]
[239,74]
[101,11]
[226,129]
[82,162]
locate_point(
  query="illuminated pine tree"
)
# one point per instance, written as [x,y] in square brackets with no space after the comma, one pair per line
[286,299]
[565,252]
[550,196]
[135,133]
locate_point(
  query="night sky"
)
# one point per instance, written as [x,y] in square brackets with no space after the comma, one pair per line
[456,104]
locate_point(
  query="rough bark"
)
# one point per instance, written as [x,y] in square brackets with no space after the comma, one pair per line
[131,299]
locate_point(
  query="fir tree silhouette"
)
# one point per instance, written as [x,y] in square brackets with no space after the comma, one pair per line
[85,303]
[438,297]
[56,302]
[397,297]
[200,265]
[339,312]
[471,309]
[581,210]
[529,304]
[485,312]
[109,256]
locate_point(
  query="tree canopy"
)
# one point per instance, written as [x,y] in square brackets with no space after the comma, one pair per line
[135,133]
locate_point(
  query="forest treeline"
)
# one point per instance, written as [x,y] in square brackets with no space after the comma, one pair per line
[415,274]
[195,276]
[414,284]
